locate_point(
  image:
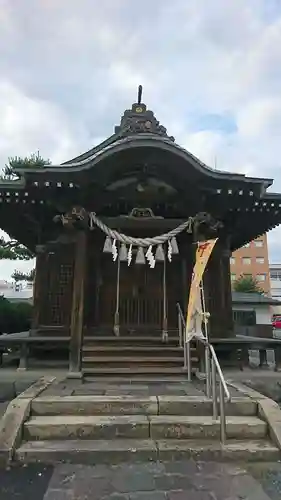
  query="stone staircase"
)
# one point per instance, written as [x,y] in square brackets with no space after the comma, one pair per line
[136,354]
[93,428]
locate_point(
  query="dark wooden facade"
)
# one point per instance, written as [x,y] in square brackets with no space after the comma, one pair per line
[138,166]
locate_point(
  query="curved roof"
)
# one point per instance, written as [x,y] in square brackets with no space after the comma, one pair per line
[139,142]
[139,128]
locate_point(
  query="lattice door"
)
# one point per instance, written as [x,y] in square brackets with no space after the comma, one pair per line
[141,294]
[57,308]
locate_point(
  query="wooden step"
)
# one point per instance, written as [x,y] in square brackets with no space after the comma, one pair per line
[133,362]
[135,371]
[131,339]
[131,331]
[134,359]
[134,348]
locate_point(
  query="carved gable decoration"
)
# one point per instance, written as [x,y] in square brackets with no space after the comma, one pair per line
[140,120]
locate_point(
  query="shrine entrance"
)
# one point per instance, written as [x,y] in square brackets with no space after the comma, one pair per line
[142,294]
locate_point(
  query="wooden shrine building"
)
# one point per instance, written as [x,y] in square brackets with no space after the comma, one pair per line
[140,183]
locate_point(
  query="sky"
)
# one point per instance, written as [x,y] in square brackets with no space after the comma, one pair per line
[211,72]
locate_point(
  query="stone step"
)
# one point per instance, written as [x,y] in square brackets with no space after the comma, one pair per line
[157,427]
[136,404]
[204,426]
[118,450]
[135,371]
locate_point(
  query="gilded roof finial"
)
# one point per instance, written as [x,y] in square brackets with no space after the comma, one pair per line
[139,94]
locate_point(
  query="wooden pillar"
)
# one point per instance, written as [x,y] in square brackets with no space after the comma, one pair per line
[219,284]
[226,277]
[76,326]
[184,282]
[38,288]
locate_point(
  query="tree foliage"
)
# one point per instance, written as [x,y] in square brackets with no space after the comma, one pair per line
[35,160]
[247,284]
[14,316]
[20,276]
[11,249]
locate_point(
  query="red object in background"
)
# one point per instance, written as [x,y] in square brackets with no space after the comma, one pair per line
[276,322]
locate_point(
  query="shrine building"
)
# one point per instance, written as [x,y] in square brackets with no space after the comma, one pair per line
[115,232]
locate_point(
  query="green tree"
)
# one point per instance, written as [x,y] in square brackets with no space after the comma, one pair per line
[35,160]
[14,317]
[12,249]
[247,284]
[20,276]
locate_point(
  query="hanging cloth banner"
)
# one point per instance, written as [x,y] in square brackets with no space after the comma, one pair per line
[194,309]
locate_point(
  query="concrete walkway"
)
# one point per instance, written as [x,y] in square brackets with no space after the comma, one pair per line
[183,480]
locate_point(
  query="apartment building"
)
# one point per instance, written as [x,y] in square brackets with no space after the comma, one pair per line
[275,280]
[252,259]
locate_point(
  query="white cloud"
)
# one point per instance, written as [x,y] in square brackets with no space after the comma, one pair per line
[205,145]
[29,124]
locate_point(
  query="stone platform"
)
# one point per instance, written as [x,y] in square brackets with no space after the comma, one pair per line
[129,387]
[112,421]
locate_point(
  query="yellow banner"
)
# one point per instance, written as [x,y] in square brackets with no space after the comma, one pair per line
[203,253]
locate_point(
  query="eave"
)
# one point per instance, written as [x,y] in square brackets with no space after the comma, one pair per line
[100,157]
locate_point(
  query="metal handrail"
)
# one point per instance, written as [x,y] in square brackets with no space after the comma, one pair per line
[211,375]
[219,371]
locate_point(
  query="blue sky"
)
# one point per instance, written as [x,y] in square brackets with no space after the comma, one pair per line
[211,71]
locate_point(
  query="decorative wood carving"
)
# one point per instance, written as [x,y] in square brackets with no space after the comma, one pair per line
[204,224]
[76,217]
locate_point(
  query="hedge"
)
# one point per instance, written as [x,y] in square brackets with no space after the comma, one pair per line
[14,316]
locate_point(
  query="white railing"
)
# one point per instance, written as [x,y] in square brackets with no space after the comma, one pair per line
[213,371]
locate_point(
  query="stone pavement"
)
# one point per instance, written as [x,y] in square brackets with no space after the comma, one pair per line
[127,387]
[184,480]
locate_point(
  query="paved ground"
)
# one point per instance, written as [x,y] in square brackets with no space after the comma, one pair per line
[185,480]
[152,387]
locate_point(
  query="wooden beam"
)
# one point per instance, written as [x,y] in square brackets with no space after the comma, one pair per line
[77,311]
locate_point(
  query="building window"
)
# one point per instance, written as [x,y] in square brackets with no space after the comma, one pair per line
[260,277]
[246,260]
[260,260]
[275,275]
[258,243]
[232,261]
[233,277]
[244,318]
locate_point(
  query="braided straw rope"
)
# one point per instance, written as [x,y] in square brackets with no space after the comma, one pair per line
[141,242]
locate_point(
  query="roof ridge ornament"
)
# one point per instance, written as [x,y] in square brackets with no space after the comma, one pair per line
[139,94]
[139,120]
